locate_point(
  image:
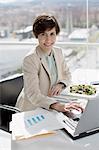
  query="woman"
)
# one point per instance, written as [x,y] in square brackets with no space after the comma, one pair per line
[45,71]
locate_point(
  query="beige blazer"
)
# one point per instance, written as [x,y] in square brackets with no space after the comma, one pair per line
[37,79]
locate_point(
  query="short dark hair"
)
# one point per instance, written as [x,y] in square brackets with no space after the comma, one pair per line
[43,23]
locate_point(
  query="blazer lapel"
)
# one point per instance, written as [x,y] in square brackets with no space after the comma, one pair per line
[45,65]
[57,62]
[43,61]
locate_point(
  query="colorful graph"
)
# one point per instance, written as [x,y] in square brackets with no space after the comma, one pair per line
[32,120]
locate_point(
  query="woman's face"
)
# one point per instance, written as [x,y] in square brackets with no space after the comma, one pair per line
[47,40]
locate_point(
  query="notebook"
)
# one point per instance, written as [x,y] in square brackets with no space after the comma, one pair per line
[86,124]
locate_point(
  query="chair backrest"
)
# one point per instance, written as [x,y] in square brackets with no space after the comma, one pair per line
[9,91]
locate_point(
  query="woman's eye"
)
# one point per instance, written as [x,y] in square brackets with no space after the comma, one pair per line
[52,33]
[42,34]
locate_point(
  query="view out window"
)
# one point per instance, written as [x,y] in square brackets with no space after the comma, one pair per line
[79,36]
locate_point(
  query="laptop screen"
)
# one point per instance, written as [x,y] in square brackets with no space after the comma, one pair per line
[89,119]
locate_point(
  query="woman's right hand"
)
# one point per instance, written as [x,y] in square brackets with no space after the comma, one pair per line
[66,107]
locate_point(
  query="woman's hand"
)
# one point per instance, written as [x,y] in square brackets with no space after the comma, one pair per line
[56,90]
[66,107]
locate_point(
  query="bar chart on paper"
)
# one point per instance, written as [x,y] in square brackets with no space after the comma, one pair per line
[33,120]
[33,123]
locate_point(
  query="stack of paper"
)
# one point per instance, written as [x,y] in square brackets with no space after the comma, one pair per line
[34,123]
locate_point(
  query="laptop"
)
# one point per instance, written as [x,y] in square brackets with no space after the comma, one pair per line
[86,124]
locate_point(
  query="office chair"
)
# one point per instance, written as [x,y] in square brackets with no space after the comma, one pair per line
[9,91]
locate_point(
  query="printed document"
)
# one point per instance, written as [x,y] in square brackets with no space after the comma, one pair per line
[33,123]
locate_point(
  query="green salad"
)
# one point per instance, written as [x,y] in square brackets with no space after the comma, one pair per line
[83,89]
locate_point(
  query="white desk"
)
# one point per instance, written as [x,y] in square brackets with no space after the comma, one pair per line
[60,140]
[5,140]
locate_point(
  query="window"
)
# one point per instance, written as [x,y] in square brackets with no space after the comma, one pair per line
[79,36]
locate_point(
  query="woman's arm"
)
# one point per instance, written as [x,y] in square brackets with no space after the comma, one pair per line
[64,75]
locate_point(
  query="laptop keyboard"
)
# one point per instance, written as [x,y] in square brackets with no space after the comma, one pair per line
[70,122]
[66,99]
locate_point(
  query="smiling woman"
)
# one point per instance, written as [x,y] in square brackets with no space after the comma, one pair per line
[18,17]
[45,70]
[46,29]
[47,39]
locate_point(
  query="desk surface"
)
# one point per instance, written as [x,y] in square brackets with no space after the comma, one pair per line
[61,140]
[5,140]
[58,141]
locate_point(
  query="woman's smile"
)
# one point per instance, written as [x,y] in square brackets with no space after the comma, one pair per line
[47,39]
